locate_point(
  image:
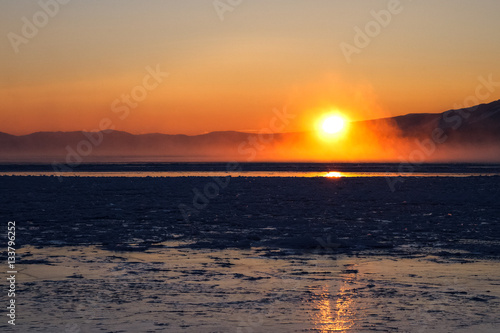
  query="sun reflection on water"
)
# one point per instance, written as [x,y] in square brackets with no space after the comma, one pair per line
[334,174]
[334,316]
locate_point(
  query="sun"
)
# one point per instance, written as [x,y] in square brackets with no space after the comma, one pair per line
[333,124]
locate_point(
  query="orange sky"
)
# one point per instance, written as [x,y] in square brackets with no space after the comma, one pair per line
[230,74]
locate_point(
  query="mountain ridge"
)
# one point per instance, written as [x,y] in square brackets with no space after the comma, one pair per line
[477,127]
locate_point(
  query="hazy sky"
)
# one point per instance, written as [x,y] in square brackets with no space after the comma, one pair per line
[228,68]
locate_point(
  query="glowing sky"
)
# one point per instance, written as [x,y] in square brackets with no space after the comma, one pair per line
[230,74]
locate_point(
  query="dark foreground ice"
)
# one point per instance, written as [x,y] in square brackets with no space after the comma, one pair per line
[454,217]
[255,254]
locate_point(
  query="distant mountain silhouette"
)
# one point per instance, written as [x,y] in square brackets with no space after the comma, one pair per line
[475,127]
[44,146]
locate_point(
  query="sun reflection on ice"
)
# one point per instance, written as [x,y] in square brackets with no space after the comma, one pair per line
[333,316]
[334,174]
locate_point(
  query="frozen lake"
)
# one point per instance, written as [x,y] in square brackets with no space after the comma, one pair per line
[255,254]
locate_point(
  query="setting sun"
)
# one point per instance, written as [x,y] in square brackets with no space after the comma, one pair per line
[333,124]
